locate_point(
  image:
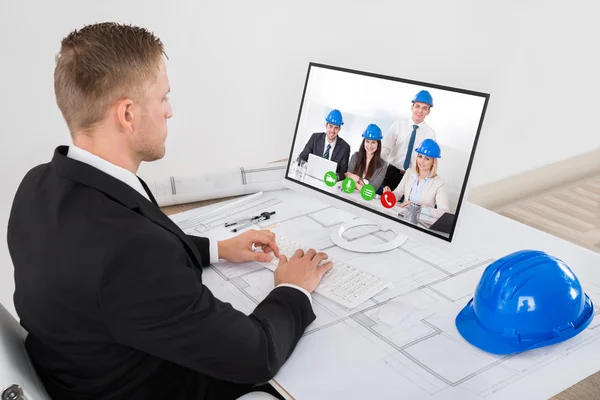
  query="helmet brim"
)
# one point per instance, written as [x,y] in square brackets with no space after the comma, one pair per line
[471,330]
[427,155]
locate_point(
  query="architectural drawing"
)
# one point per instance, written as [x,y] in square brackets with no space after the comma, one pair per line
[411,323]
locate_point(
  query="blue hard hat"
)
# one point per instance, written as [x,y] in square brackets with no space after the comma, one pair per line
[429,148]
[525,300]
[335,118]
[373,132]
[423,97]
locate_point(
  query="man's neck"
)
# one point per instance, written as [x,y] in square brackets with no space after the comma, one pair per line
[106,151]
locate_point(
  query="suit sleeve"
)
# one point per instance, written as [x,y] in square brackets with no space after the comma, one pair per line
[203,246]
[308,148]
[441,201]
[343,166]
[379,175]
[352,163]
[155,301]
[400,190]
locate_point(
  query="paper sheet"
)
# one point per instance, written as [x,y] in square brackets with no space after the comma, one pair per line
[402,343]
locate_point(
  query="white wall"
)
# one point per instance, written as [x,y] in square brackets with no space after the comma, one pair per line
[237,71]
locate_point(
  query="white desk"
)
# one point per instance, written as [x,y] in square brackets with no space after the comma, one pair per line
[340,359]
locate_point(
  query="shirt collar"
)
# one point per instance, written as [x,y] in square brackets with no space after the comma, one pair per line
[332,144]
[416,176]
[125,176]
[411,123]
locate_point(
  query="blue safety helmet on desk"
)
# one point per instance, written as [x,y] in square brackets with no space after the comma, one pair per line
[524,301]
[429,148]
[335,118]
[423,97]
[373,132]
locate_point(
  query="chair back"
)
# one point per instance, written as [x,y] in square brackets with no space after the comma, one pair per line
[18,378]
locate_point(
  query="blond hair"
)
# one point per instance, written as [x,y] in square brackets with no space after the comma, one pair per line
[100,64]
[434,168]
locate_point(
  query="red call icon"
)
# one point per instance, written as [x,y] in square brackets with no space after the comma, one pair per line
[388,200]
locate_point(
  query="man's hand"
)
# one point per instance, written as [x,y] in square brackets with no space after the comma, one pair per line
[386,189]
[302,269]
[239,248]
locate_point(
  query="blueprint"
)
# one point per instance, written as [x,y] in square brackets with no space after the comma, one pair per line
[402,343]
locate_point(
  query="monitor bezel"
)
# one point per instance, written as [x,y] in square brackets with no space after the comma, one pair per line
[364,208]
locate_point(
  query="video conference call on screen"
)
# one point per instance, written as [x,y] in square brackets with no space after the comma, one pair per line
[399,148]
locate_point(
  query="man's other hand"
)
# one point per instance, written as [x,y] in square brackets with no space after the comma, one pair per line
[302,269]
[239,248]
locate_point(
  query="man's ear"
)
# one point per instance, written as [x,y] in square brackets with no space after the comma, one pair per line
[125,114]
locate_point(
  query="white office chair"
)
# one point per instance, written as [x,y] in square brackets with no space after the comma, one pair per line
[257,396]
[18,378]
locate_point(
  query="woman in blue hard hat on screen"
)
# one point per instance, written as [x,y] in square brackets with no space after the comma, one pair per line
[366,165]
[422,185]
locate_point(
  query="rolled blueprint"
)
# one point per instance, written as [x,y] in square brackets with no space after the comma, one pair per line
[236,181]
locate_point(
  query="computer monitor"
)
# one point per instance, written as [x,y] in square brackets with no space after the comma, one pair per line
[402,149]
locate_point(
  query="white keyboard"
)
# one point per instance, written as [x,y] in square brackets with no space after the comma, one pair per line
[343,283]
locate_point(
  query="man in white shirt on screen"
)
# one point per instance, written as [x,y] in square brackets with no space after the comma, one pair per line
[398,146]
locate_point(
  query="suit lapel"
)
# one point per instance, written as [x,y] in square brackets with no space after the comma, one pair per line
[320,150]
[121,193]
[147,189]
[410,183]
[425,190]
[336,150]
[339,148]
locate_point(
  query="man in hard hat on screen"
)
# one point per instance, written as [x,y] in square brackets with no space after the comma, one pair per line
[397,147]
[329,144]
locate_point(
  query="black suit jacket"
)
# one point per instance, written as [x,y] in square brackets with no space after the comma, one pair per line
[341,152]
[111,293]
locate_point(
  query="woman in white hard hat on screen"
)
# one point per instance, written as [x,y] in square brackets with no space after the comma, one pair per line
[423,185]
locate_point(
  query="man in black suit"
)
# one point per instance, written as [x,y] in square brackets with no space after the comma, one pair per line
[329,144]
[108,287]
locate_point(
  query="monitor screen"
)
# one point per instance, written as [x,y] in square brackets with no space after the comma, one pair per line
[398,148]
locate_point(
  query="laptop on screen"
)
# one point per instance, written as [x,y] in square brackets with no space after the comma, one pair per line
[318,166]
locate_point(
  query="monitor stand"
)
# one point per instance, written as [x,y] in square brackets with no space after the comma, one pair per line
[337,237]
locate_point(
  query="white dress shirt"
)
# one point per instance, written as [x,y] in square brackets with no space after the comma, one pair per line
[131,179]
[395,143]
[415,195]
[332,146]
